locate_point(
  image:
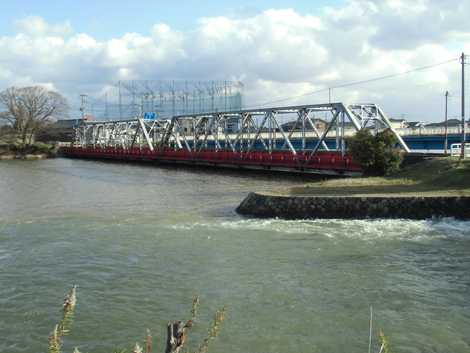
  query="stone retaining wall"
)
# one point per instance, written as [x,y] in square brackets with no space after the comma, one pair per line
[350,207]
[29,157]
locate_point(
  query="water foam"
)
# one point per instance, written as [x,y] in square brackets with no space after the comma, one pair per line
[397,229]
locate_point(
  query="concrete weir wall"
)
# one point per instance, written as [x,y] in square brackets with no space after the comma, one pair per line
[351,207]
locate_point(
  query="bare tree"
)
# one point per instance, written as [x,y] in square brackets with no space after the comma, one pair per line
[29,109]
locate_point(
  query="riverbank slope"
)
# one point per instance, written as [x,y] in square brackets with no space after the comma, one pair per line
[435,187]
[38,150]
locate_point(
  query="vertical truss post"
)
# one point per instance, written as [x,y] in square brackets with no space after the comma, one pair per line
[286,138]
[145,133]
[343,142]
[270,137]
[258,132]
[303,115]
[256,129]
[317,133]
[337,126]
[323,136]
[194,125]
[273,118]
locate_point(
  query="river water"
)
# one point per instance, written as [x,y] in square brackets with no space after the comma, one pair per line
[140,241]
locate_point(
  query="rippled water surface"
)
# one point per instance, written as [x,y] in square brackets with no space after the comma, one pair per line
[140,241]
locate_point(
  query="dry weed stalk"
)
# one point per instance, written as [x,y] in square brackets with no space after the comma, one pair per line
[213,331]
[137,348]
[63,328]
[195,307]
[177,331]
[148,342]
[54,341]
[70,300]
[384,343]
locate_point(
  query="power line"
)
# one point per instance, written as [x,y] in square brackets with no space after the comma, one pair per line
[354,83]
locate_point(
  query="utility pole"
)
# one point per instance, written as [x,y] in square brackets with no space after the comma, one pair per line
[106,106]
[462,152]
[82,105]
[445,140]
[120,101]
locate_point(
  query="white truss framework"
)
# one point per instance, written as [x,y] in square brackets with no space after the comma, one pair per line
[240,131]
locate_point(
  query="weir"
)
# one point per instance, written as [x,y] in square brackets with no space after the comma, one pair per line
[253,139]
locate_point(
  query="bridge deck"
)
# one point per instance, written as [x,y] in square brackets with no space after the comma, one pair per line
[328,163]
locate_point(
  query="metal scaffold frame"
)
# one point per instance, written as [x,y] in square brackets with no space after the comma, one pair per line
[241,131]
[166,98]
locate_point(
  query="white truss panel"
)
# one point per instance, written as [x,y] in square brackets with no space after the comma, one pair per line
[240,131]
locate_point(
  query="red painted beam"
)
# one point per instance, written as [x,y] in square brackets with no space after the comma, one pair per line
[325,161]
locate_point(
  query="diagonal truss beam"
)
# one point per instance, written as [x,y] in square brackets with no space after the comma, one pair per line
[240,131]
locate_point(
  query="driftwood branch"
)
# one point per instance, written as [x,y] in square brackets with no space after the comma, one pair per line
[177,335]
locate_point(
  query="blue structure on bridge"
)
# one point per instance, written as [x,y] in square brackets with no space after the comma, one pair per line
[431,143]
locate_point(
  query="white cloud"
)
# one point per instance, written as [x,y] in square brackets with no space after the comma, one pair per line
[37,27]
[277,53]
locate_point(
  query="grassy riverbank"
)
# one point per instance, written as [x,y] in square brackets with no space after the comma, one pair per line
[38,150]
[444,176]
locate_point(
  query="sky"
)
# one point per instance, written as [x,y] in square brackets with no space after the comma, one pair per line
[281,50]
[104,19]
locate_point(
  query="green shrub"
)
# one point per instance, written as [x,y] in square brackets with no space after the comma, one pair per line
[377,154]
[9,147]
[19,148]
[40,147]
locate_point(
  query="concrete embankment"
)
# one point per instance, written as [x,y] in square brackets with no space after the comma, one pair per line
[354,207]
[28,157]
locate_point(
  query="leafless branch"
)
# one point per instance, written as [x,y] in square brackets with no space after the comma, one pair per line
[28,109]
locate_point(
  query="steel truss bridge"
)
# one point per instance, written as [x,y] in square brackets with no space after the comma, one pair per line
[254,139]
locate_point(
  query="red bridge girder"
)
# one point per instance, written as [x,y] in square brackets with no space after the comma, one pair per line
[323,162]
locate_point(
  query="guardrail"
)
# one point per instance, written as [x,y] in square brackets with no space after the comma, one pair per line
[429,131]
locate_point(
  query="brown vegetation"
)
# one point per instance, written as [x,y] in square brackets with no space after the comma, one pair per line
[443,176]
[27,110]
[177,331]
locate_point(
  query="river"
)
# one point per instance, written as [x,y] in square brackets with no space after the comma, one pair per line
[141,241]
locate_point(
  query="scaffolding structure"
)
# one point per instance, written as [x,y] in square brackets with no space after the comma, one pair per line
[131,99]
